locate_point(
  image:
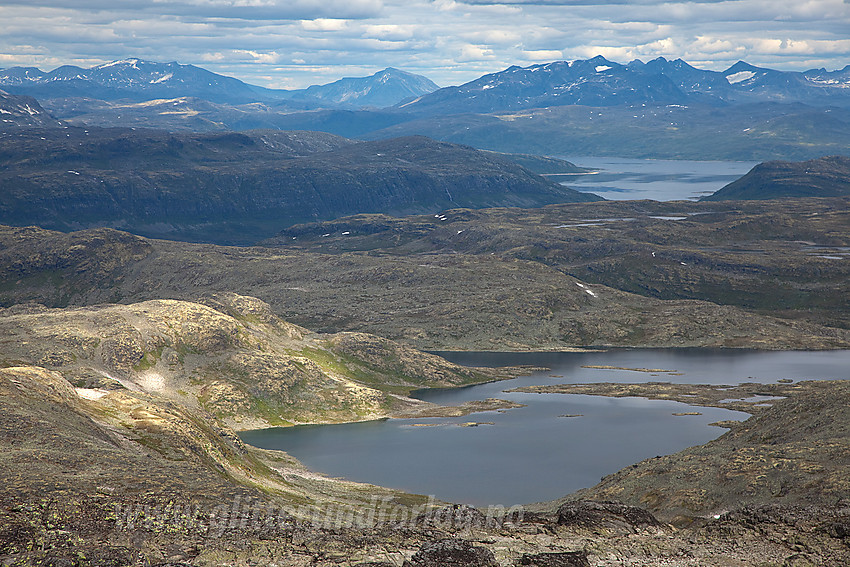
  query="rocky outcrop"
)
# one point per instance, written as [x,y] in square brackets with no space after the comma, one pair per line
[560,559]
[794,453]
[248,367]
[605,515]
[18,111]
[452,553]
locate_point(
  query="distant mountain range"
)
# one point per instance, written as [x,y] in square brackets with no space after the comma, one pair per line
[139,80]
[600,82]
[658,109]
[592,82]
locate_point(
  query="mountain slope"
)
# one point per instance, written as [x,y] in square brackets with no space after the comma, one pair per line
[823,177]
[433,283]
[23,111]
[755,132]
[384,88]
[239,188]
[594,82]
[796,453]
[233,358]
[601,83]
[132,79]
[138,80]
[728,253]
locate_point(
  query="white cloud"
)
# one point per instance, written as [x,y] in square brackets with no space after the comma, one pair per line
[493,37]
[324,24]
[237,9]
[542,55]
[303,42]
[471,52]
[390,32]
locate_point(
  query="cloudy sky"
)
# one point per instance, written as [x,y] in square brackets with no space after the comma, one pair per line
[296,43]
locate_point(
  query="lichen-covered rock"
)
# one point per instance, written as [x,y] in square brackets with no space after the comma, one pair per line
[608,515]
[454,516]
[251,309]
[558,559]
[452,553]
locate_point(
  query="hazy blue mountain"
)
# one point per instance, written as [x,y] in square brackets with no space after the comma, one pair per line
[592,82]
[384,88]
[822,177]
[139,80]
[132,79]
[599,82]
[839,78]
[699,84]
[16,111]
[239,188]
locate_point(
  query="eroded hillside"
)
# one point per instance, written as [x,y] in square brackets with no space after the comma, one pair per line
[238,362]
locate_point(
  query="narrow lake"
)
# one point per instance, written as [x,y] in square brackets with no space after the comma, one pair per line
[656,179]
[534,453]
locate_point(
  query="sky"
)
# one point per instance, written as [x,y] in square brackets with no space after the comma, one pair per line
[297,43]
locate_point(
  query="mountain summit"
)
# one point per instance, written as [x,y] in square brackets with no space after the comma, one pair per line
[600,82]
[133,79]
[384,88]
[140,80]
[591,82]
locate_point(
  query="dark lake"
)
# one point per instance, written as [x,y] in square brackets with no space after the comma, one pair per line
[533,454]
[657,179]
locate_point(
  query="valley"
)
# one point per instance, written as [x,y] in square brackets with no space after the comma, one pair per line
[193,267]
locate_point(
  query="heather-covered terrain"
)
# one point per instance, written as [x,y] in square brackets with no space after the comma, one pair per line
[477,281]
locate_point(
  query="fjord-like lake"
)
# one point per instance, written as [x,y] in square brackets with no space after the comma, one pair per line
[657,179]
[537,453]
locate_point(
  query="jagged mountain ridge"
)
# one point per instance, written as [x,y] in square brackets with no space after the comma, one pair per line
[594,82]
[133,79]
[139,80]
[744,112]
[600,82]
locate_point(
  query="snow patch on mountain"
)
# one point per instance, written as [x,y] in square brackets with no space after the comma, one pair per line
[162,79]
[740,77]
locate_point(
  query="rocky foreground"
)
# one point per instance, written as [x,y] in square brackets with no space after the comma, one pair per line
[127,365]
[118,448]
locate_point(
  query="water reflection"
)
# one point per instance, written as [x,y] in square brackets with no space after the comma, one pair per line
[660,180]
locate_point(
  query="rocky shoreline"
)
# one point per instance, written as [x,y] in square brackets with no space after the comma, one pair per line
[131,478]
